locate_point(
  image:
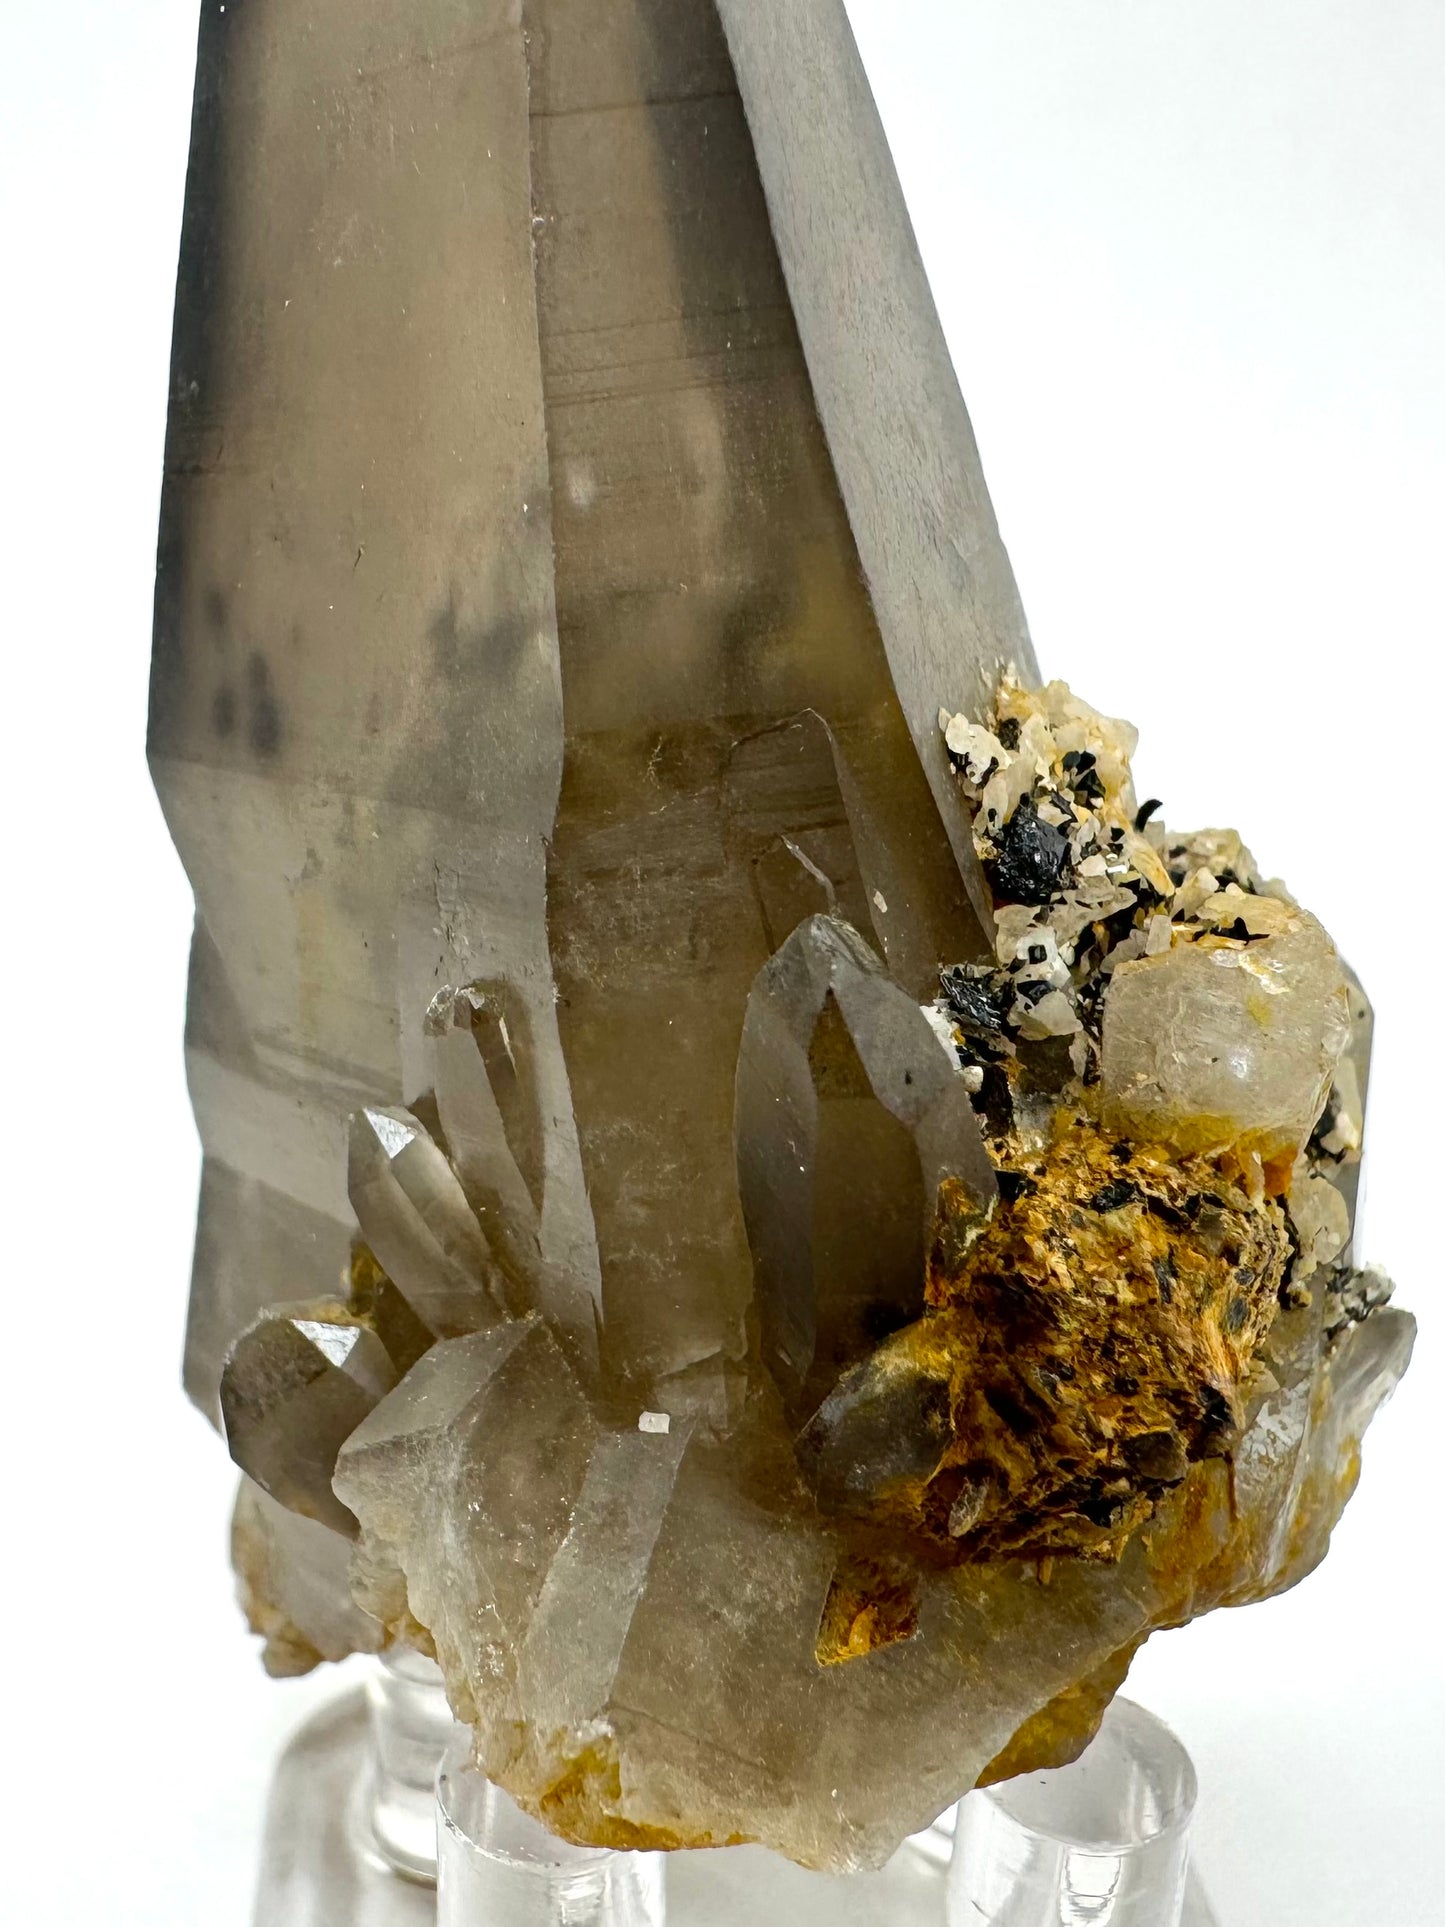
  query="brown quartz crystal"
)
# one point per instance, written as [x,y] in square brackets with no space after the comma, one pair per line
[756,1202]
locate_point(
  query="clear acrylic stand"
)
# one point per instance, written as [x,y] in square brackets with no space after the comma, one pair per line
[350,1837]
[1105,1840]
[320,1863]
[356,1837]
[411,1729]
[496,1864]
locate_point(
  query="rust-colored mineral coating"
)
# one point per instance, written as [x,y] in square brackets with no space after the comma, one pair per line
[1079,1352]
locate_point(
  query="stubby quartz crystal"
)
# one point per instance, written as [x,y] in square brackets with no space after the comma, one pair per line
[777,1233]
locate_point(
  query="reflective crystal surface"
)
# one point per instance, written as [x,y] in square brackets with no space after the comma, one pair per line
[297,1383]
[755,1203]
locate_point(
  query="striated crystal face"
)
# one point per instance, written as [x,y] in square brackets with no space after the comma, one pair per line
[777,1231]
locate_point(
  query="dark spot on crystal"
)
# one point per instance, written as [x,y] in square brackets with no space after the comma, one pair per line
[1032,863]
[1236,1312]
[1013,1185]
[264,729]
[1014,1415]
[1241,932]
[1167,1276]
[1126,1385]
[1114,1195]
[1037,952]
[1218,1419]
[1102,1512]
[1161,1208]
[1008,732]
[995,1100]
[1119,925]
[1122,1151]
[882,1317]
[1078,766]
[1158,1457]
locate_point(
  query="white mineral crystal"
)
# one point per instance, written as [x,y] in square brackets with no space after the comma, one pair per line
[1216,1040]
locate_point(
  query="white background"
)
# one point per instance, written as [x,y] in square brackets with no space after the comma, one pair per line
[1189,258]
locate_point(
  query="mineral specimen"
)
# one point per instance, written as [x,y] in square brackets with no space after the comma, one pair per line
[780,1237]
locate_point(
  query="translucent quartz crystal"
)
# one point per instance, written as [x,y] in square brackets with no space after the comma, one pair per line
[849,1121]
[1214,1045]
[297,1383]
[466,1480]
[415,1218]
[782,1383]
[514,409]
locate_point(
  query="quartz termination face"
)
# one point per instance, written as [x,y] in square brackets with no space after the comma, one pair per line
[780,1239]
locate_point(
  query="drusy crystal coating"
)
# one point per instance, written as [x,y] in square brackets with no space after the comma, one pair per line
[757,1202]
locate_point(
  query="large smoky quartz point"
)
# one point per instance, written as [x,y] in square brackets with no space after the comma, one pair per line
[754,1203]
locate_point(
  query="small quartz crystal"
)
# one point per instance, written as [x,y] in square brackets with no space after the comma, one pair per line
[296,1385]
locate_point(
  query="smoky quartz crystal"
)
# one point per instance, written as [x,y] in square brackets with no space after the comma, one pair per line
[755,1204]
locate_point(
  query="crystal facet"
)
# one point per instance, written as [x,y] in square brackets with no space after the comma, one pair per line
[296,1385]
[850,1123]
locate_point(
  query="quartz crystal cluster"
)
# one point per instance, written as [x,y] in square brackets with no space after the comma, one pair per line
[780,1234]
